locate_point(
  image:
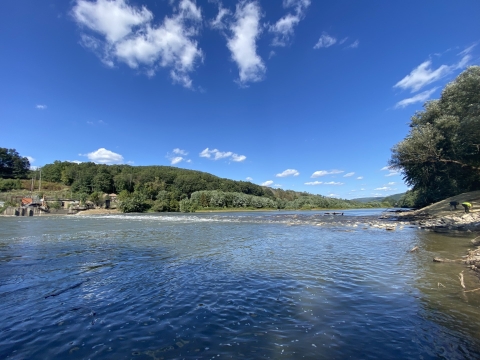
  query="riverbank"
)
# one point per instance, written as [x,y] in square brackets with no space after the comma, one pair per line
[440,217]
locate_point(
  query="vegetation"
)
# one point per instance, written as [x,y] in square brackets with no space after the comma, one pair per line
[440,157]
[12,165]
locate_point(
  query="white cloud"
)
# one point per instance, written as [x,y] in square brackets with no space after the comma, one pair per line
[360,178]
[393,173]
[333,183]
[217,155]
[127,34]
[325,172]
[41,107]
[288,172]
[218,23]
[423,74]
[349,174]
[30,159]
[242,44]
[353,45]
[277,185]
[421,97]
[177,156]
[74,161]
[180,152]
[314,183]
[283,28]
[249,178]
[325,41]
[391,183]
[104,156]
[176,160]
[333,195]
[267,183]
[238,158]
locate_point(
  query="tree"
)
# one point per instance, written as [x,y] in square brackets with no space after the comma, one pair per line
[12,165]
[440,157]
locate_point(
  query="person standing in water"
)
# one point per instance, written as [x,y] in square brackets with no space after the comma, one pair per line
[467,206]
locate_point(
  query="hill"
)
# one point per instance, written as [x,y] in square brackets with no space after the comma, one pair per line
[166,188]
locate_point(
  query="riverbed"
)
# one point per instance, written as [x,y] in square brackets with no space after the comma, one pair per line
[232,285]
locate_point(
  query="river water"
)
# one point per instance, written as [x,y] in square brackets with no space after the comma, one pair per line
[232,285]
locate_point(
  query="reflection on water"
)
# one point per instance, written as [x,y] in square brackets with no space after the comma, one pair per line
[252,285]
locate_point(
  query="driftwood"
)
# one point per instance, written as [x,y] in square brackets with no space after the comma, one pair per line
[440,284]
[436,259]
[461,280]
[415,249]
[472,290]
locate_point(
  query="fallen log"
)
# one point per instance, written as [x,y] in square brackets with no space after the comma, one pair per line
[415,249]
[437,259]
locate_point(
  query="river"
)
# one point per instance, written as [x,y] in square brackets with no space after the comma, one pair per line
[232,285]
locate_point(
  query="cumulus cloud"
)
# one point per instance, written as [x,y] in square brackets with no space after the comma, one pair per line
[119,32]
[349,174]
[325,41]
[41,107]
[333,183]
[242,43]
[177,156]
[391,183]
[333,195]
[238,158]
[249,178]
[360,178]
[30,159]
[314,183]
[421,97]
[325,172]
[104,156]
[288,172]
[267,183]
[423,74]
[393,173]
[215,154]
[283,28]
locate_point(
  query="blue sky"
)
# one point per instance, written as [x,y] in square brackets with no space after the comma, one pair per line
[297,94]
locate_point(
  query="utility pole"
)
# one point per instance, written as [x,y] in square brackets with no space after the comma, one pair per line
[40,182]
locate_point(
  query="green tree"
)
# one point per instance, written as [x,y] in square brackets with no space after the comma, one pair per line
[440,156]
[12,165]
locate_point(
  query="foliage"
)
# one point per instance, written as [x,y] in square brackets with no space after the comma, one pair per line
[12,165]
[54,205]
[135,202]
[97,198]
[10,184]
[440,157]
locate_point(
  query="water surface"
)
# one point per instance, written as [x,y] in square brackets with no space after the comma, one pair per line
[232,285]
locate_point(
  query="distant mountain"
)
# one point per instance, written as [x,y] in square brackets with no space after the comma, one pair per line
[392,199]
[368,199]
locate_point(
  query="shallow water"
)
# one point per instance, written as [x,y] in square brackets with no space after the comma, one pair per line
[232,285]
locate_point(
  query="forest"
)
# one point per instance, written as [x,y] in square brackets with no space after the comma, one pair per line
[170,189]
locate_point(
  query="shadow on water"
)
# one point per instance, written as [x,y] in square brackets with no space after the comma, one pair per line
[234,289]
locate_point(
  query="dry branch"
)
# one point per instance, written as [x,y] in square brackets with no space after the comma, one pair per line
[461,280]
